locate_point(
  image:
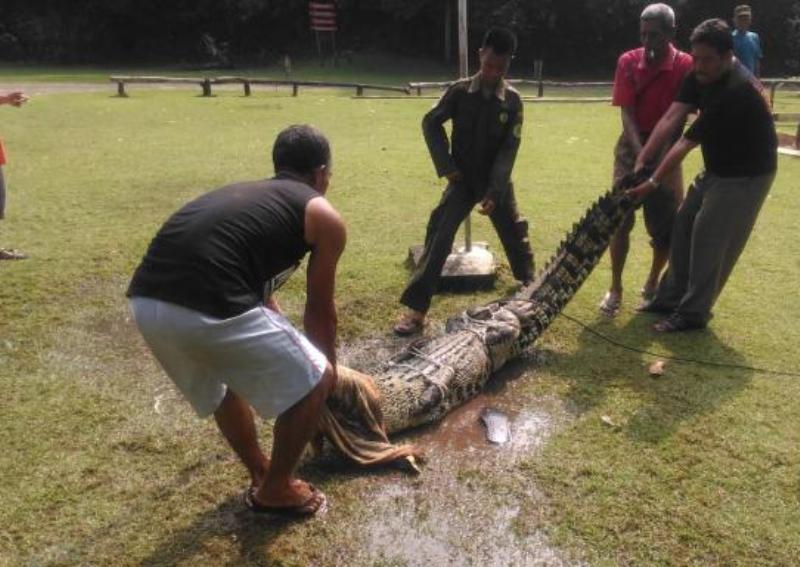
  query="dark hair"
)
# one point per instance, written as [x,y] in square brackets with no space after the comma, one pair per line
[300,148]
[501,40]
[714,33]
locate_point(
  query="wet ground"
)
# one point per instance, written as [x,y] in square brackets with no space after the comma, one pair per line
[471,504]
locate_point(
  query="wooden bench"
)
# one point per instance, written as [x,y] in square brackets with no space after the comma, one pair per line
[206,83]
[203,82]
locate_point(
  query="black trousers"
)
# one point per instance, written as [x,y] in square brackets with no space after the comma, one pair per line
[457,202]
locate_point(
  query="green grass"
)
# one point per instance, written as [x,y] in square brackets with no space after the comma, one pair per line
[380,68]
[701,467]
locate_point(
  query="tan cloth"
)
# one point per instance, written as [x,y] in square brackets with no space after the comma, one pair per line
[354,422]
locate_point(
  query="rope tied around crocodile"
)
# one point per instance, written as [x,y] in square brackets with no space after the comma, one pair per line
[425,380]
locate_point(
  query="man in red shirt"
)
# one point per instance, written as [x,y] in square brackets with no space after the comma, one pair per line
[645,84]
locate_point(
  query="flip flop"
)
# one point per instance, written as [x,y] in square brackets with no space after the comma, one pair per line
[648,303]
[610,304]
[316,503]
[408,326]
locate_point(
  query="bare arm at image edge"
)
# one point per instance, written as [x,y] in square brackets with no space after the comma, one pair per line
[15,99]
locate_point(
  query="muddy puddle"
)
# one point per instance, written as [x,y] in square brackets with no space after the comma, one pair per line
[462,431]
[471,505]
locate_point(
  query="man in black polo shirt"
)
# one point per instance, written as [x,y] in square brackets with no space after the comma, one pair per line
[486,115]
[737,136]
[203,300]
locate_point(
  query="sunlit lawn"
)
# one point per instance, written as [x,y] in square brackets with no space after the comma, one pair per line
[700,466]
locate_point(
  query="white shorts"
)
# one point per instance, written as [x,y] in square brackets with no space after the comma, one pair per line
[258,354]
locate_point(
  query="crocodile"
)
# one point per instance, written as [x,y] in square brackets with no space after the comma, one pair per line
[433,375]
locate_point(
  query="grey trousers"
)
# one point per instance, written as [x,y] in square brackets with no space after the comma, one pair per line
[711,229]
[456,204]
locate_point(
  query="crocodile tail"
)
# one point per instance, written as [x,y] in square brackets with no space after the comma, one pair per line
[352,421]
[575,259]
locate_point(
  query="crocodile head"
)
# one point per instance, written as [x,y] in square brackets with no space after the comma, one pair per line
[497,327]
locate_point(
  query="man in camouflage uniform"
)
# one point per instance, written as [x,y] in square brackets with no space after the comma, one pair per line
[486,113]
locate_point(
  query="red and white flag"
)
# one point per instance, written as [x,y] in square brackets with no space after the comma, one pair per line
[322,16]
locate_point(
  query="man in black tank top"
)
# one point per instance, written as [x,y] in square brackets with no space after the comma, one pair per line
[203,300]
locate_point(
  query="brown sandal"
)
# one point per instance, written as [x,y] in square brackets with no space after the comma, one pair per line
[409,325]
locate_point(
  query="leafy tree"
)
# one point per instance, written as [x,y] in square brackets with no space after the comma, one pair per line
[572,36]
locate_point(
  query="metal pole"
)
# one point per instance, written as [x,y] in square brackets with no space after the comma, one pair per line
[463,71]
